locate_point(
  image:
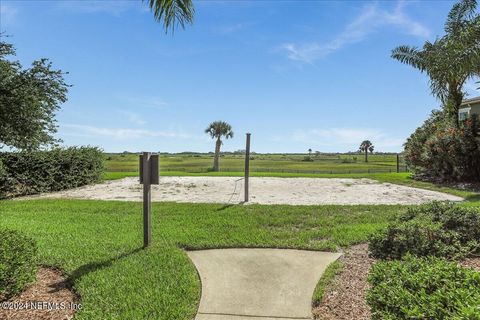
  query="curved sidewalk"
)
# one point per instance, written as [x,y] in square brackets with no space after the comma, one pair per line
[262,284]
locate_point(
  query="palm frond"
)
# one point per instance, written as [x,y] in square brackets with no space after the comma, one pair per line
[218,129]
[172,12]
[459,14]
[409,55]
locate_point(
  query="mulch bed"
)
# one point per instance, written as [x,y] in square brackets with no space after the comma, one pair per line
[345,296]
[472,263]
[50,298]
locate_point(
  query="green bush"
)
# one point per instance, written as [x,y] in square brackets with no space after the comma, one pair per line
[423,288]
[18,262]
[30,172]
[437,229]
[440,149]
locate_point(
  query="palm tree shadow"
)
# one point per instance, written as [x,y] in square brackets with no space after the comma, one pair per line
[81,271]
[226,206]
[473,198]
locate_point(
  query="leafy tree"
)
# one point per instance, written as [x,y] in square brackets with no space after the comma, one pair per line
[29,99]
[366,146]
[217,130]
[172,12]
[451,60]
[310,151]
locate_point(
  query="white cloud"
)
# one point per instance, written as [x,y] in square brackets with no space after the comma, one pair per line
[346,138]
[115,8]
[145,102]
[235,27]
[133,117]
[371,19]
[119,133]
[8,14]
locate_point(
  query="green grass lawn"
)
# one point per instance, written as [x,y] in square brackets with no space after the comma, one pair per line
[280,163]
[98,245]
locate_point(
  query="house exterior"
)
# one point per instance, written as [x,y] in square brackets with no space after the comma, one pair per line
[469,107]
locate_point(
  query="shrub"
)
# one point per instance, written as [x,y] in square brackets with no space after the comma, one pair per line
[30,172]
[423,288]
[436,229]
[307,159]
[18,259]
[441,149]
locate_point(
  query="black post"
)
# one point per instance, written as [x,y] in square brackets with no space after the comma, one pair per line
[147,221]
[247,165]
[398,163]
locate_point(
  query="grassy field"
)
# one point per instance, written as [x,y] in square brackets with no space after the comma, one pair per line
[98,244]
[266,163]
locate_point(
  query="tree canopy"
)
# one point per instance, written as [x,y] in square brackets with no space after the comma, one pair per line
[29,99]
[172,12]
[451,60]
[217,130]
[366,145]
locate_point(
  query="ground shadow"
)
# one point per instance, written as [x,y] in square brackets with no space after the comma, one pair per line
[229,205]
[473,198]
[81,271]
[226,206]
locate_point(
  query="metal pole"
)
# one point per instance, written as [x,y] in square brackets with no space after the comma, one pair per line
[147,220]
[247,165]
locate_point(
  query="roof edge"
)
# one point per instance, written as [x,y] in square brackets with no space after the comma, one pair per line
[471,100]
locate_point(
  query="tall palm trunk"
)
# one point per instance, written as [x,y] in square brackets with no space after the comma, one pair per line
[454,102]
[217,155]
[366,154]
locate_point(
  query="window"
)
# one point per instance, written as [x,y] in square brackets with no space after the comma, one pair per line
[462,115]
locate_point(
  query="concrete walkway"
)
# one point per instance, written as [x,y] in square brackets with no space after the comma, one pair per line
[262,284]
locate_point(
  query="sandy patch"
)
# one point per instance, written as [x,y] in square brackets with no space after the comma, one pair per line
[294,191]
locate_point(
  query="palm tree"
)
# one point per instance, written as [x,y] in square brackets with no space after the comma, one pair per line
[450,60]
[310,151]
[172,12]
[217,130]
[366,146]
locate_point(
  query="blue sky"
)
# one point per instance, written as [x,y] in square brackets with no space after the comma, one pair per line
[296,74]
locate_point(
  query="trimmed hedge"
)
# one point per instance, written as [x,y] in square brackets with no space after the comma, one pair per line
[31,172]
[423,288]
[437,229]
[18,262]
